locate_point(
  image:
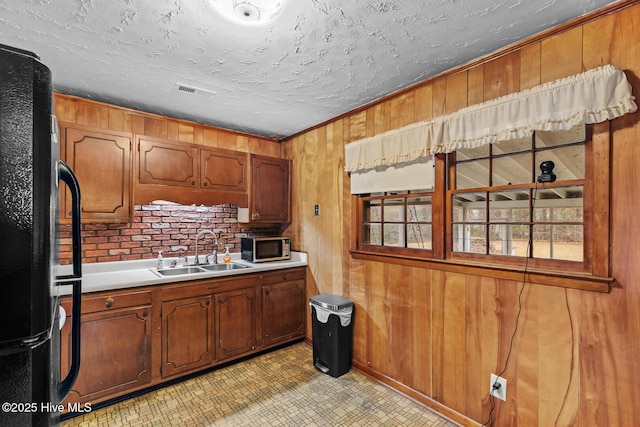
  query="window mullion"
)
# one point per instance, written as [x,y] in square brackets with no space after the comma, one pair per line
[487,221]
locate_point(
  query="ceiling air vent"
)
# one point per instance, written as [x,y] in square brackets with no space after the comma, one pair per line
[194,90]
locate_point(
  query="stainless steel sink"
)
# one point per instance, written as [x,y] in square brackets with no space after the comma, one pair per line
[223,267]
[193,269]
[180,270]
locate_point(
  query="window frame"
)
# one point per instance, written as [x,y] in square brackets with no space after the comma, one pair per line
[394,250]
[590,274]
[532,188]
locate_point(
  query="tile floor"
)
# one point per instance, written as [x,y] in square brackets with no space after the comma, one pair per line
[280,388]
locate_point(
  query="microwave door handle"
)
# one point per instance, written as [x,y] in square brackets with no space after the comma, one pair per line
[70,179]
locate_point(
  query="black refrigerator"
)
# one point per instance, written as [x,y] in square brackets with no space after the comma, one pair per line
[31,176]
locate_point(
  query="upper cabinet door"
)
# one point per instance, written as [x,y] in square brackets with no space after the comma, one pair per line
[222,169]
[167,164]
[270,189]
[101,160]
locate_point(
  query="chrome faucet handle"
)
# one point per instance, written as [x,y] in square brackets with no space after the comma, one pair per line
[182,256]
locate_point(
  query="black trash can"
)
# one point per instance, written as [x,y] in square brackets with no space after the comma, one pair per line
[332,331]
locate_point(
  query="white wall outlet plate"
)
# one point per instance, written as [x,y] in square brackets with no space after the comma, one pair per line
[498,387]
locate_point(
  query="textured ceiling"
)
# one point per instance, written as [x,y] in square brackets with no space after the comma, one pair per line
[317,60]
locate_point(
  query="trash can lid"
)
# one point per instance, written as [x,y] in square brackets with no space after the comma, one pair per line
[331,302]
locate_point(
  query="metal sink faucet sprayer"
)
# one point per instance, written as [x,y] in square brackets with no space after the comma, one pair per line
[200,234]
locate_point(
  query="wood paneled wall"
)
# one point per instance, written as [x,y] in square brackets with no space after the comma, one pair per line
[90,113]
[438,335]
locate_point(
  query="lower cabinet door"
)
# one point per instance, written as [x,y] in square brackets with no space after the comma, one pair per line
[115,354]
[283,312]
[186,335]
[235,322]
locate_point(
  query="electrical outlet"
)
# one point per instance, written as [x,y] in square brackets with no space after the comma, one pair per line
[498,387]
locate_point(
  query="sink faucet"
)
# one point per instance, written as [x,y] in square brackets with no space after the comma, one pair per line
[200,234]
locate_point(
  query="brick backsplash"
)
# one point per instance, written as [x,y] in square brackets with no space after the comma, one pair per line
[162,227]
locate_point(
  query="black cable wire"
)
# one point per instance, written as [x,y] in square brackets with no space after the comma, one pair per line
[515,329]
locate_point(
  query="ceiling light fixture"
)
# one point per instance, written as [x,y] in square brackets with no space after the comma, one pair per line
[249,12]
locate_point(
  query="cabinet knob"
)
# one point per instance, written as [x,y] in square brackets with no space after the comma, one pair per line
[145,313]
[208,301]
[193,183]
[109,303]
[220,300]
[267,292]
[205,184]
[255,216]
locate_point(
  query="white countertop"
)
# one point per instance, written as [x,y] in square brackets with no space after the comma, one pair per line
[105,276]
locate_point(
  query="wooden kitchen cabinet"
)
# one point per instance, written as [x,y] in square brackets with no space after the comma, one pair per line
[187,334]
[223,169]
[165,163]
[102,161]
[189,173]
[115,355]
[283,306]
[140,338]
[235,323]
[270,199]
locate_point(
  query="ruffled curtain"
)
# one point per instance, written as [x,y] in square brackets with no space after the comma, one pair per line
[594,96]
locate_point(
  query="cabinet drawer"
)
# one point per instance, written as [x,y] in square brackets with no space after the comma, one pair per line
[111,301]
[207,287]
[283,276]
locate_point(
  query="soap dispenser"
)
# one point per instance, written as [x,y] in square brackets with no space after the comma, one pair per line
[227,255]
[159,261]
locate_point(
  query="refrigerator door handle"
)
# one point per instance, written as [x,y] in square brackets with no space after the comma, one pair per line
[70,179]
[66,174]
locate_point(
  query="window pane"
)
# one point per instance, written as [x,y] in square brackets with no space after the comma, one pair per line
[419,209]
[561,204]
[569,162]
[560,137]
[507,239]
[473,174]
[514,169]
[372,234]
[393,234]
[469,238]
[512,146]
[394,210]
[371,211]
[419,236]
[469,207]
[509,206]
[562,242]
[472,153]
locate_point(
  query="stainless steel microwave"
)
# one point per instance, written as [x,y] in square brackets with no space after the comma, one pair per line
[263,249]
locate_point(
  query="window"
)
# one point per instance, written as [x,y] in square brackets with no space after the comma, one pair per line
[397,222]
[487,206]
[498,209]
[490,214]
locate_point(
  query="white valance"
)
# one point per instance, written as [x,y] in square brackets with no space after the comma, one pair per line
[594,96]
